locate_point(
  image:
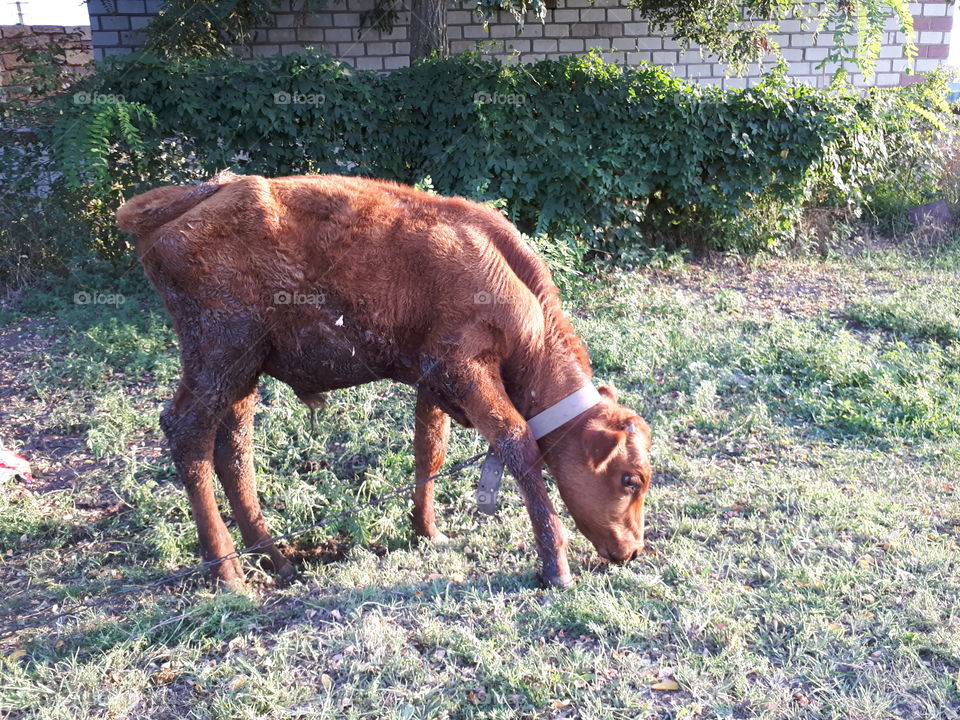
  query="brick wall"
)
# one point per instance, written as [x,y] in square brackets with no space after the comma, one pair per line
[933,22]
[76,41]
[575,26]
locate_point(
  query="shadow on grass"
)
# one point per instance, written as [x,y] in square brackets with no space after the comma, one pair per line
[197,615]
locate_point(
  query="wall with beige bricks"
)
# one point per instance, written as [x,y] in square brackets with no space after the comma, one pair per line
[574,27]
[74,40]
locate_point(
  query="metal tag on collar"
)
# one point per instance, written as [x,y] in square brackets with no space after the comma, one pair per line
[491,476]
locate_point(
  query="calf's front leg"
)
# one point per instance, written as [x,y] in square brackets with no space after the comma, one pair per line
[430,438]
[490,411]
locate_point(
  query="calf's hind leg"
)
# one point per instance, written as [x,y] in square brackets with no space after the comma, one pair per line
[190,424]
[233,460]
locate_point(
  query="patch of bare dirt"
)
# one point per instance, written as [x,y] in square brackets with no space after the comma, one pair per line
[58,457]
[790,287]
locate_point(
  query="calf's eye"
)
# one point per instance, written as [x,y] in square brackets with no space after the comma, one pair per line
[630,481]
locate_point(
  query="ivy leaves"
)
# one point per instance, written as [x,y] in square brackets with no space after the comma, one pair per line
[608,158]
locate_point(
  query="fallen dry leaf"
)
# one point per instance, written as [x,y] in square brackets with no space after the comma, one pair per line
[666,685]
[164,676]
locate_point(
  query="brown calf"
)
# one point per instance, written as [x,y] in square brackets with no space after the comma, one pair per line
[326,282]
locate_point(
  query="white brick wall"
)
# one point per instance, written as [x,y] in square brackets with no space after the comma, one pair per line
[575,26]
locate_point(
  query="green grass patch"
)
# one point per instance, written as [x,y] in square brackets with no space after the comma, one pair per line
[803,529]
[925,313]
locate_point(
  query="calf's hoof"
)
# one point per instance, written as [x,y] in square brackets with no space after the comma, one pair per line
[430,534]
[234,585]
[285,569]
[274,560]
[229,575]
[439,539]
[560,582]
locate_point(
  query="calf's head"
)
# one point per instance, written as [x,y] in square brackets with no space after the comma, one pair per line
[602,467]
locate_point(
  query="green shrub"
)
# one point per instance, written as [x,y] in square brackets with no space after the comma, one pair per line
[605,160]
[613,156]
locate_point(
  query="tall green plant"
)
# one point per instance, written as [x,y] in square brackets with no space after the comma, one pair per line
[102,155]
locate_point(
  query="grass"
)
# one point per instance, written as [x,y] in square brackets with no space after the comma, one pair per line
[803,522]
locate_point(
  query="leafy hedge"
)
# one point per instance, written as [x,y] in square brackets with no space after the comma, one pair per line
[612,159]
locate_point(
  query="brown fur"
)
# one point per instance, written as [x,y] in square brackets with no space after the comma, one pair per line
[326,282]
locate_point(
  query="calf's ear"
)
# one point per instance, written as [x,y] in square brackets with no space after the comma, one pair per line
[608,392]
[601,442]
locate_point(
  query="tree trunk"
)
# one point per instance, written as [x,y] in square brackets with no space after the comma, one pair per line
[428,29]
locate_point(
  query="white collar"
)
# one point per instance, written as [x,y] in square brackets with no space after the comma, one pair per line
[564,411]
